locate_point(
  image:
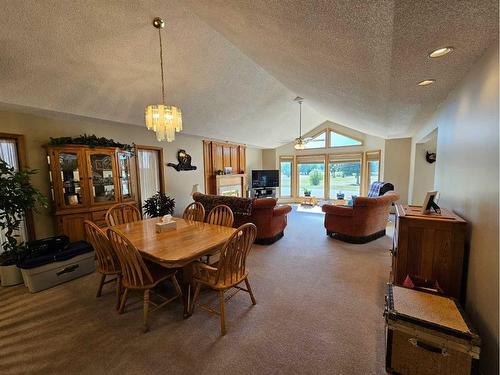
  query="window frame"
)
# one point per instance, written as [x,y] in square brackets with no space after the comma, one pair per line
[329,140]
[23,164]
[161,168]
[347,157]
[316,135]
[311,159]
[287,159]
[375,155]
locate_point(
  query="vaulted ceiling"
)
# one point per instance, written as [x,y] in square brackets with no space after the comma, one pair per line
[235,66]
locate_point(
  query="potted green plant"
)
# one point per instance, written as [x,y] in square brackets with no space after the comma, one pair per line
[307,192]
[159,205]
[17,196]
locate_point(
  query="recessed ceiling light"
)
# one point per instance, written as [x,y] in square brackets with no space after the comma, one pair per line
[440,52]
[426,82]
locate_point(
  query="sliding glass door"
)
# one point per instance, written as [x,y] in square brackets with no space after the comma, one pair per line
[311,176]
[345,178]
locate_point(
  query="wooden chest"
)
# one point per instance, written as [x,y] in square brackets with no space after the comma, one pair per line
[427,334]
[431,247]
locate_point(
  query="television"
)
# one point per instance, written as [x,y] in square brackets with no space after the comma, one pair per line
[265,178]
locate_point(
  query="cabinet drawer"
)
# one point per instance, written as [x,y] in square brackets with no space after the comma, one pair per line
[98,217]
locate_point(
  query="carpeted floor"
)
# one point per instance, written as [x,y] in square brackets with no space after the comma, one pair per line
[319,311]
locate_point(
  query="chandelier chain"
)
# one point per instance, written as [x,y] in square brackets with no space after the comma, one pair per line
[300,119]
[161,65]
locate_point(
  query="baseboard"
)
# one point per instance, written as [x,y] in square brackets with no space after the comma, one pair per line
[356,240]
[269,240]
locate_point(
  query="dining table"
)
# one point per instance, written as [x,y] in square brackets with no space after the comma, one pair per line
[176,248]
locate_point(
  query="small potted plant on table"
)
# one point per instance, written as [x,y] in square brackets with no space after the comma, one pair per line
[17,196]
[307,192]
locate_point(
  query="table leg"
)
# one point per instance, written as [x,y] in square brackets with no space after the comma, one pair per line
[187,280]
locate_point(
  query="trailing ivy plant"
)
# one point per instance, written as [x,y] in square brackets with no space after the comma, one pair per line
[17,196]
[91,141]
[159,205]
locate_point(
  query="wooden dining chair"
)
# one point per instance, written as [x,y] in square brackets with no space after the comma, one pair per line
[107,260]
[228,273]
[139,274]
[195,211]
[221,215]
[122,213]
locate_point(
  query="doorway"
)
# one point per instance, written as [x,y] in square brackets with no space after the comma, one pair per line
[149,172]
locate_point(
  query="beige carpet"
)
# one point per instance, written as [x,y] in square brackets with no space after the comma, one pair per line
[319,310]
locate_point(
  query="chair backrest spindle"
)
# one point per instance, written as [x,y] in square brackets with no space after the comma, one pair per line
[134,270]
[221,215]
[233,256]
[195,211]
[122,213]
[107,260]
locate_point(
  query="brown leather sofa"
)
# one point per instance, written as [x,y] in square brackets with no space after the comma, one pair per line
[365,221]
[269,218]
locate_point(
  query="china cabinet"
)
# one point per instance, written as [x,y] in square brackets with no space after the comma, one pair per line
[85,182]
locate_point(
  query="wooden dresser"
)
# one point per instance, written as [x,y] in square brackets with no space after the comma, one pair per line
[430,246]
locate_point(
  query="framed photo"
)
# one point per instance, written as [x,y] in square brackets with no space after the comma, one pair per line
[430,202]
[228,170]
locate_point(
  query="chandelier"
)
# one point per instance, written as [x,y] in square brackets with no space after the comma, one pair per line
[300,142]
[164,120]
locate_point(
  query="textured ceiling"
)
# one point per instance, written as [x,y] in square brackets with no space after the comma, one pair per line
[234,67]
[358,62]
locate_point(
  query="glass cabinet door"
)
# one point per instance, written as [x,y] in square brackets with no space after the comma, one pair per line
[69,167]
[102,176]
[125,167]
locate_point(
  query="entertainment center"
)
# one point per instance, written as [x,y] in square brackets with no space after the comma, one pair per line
[264,183]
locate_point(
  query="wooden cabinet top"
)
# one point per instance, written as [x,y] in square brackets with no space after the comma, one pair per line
[415,213]
[49,147]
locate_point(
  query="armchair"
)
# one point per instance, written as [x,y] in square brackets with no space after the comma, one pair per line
[365,221]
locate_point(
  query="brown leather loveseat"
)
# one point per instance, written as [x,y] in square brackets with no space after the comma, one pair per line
[365,221]
[269,218]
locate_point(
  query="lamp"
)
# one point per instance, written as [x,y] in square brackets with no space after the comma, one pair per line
[196,189]
[164,120]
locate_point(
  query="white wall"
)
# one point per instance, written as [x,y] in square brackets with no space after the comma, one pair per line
[424,171]
[254,160]
[38,128]
[467,172]
[397,165]
[269,158]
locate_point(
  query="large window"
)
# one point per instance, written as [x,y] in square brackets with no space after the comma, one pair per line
[286,169]
[345,178]
[329,176]
[311,176]
[340,140]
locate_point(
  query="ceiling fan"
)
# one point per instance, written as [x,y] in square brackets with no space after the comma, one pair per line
[300,142]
